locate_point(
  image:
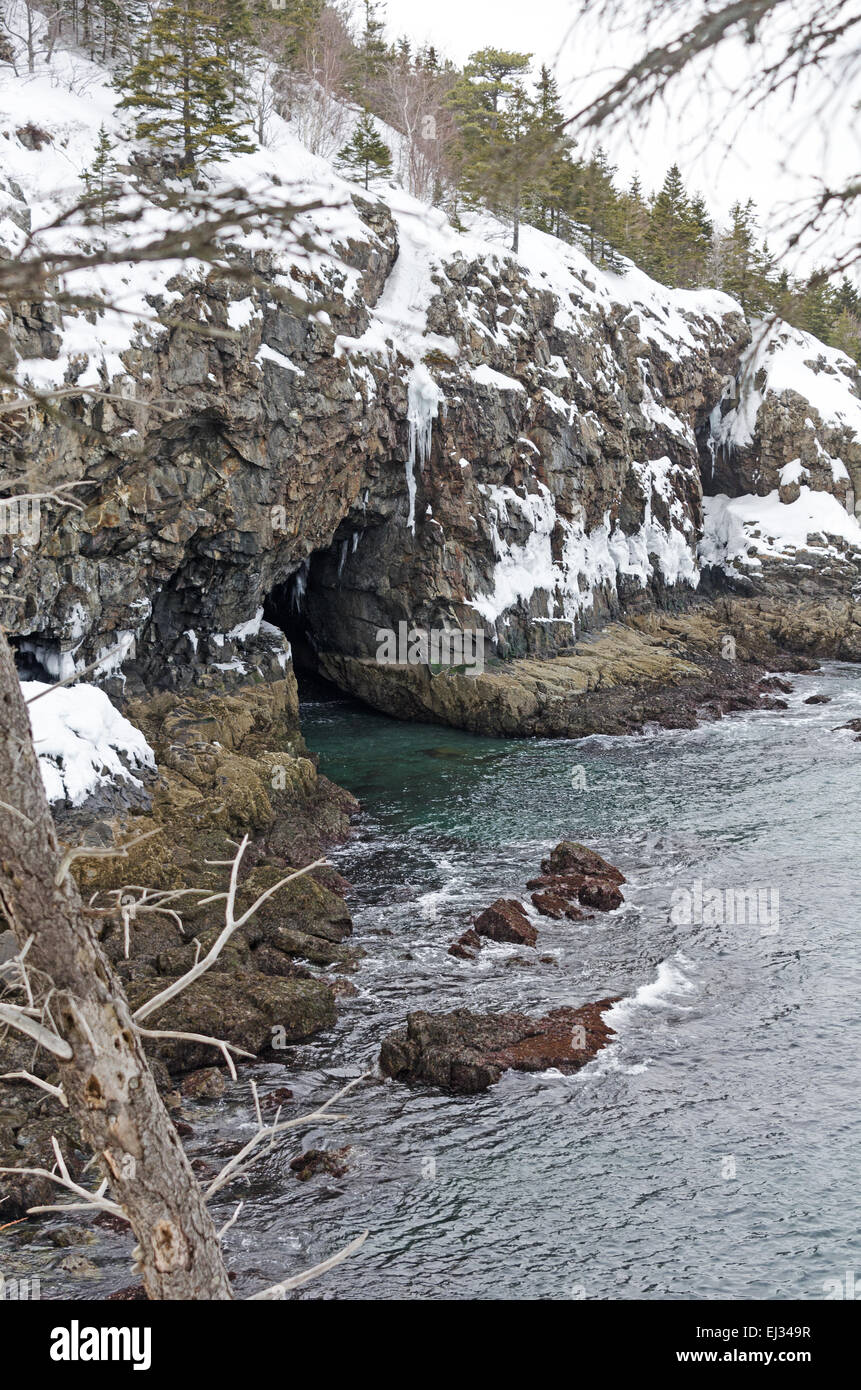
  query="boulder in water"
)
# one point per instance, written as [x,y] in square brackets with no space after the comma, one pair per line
[467,1052]
[505,920]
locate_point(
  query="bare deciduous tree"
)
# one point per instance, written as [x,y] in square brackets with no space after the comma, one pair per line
[413,101]
[316,85]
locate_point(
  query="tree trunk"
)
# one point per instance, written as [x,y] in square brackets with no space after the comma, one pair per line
[108,1084]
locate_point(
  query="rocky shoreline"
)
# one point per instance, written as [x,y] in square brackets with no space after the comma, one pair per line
[231,763]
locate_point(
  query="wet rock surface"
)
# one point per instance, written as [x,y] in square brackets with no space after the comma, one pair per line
[467,1052]
[505,920]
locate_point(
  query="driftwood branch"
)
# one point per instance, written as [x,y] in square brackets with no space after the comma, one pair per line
[22,1020]
[36,1081]
[61,1176]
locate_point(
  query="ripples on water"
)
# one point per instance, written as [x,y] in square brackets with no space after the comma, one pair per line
[737,1052]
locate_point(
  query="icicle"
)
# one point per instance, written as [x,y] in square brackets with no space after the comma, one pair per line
[300,584]
[423,402]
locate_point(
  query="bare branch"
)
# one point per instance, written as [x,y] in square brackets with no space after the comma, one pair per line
[24,1023]
[232,924]
[36,1081]
[280,1291]
[225,1047]
[238,1165]
[99,852]
[63,1179]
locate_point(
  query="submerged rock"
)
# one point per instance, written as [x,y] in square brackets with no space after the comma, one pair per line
[331,1161]
[467,1052]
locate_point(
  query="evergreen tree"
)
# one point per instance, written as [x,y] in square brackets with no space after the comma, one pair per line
[498,145]
[669,229]
[102,182]
[598,207]
[634,223]
[180,88]
[371,54]
[550,193]
[743,267]
[235,39]
[699,236]
[366,151]
[293,21]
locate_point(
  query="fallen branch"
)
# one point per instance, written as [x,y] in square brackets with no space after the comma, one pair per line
[36,1081]
[22,1020]
[97,851]
[238,1166]
[225,1047]
[63,1179]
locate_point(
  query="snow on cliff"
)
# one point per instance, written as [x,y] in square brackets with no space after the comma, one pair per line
[82,740]
[72,98]
[739,531]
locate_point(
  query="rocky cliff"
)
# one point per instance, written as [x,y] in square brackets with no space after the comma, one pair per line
[427,430]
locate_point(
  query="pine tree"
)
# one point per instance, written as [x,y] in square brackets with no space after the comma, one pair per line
[366,150]
[293,21]
[371,55]
[669,229]
[549,195]
[697,243]
[634,222]
[743,267]
[102,182]
[597,207]
[235,37]
[180,88]
[498,146]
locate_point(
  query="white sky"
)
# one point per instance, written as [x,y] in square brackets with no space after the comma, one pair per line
[776,156]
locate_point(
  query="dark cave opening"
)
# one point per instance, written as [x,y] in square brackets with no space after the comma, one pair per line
[287,608]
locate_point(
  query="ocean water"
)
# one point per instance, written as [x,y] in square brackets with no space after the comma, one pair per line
[711,1151]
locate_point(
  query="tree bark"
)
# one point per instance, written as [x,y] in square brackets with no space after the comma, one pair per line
[108,1084]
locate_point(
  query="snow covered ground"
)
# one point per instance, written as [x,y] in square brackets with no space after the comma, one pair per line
[82,740]
[736,526]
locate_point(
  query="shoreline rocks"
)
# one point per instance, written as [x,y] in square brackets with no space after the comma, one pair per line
[465,1052]
[572,877]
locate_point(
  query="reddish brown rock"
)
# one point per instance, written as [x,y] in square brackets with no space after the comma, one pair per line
[206,1084]
[462,952]
[570,857]
[598,893]
[467,1052]
[505,920]
[330,1161]
[466,946]
[556,906]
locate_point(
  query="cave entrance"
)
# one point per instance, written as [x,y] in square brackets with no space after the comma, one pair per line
[286,609]
[322,607]
[333,606]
